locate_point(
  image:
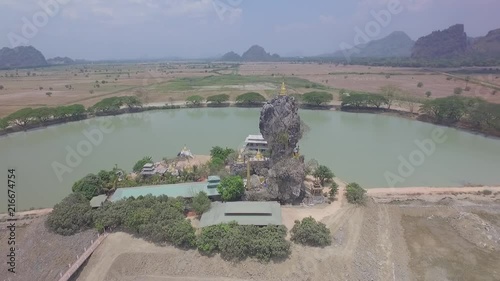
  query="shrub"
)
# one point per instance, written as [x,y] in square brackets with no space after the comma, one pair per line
[181,234]
[420,84]
[71,215]
[1,87]
[428,94]
[457,91]
[209,239]
[221,153]
[487,192]
[311,233]
[334,189]
[89,186]
[231,188]
[201,203]
[467,89]
[355,194]
[48,94]
[448,78]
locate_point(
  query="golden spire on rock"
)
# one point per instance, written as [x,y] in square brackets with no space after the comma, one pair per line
[283,89]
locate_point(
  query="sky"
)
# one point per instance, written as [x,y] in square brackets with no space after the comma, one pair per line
[140,29]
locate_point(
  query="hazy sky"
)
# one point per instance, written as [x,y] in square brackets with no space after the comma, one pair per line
[123,29]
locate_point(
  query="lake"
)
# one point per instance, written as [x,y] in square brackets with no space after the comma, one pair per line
[373,150]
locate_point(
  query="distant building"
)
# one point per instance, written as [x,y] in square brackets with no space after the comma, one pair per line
[148,169]
[255,143]
[244,213]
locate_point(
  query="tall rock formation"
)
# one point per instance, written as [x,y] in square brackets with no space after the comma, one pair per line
[280,126]
[441,44]
[22,56]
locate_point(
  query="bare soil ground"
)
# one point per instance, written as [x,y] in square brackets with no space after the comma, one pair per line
[40,255]
[147,81]
[435,237]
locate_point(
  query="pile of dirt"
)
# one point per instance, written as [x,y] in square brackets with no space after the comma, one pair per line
[42,255]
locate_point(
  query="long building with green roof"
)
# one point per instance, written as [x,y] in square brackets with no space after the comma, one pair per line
[186,190]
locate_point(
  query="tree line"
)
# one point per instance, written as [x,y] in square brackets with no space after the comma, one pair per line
[29,117]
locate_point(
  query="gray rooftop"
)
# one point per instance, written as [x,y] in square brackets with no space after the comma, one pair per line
[186,190]
[97,201]
[244,213]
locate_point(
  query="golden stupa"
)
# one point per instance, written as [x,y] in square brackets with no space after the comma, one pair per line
[283,89]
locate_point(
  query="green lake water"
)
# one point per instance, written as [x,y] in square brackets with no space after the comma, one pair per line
[365,148]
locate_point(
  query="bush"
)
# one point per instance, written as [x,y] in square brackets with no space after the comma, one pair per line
[428,94]
[458,91]
[231,188]
[181,234]
[311,233]
[1,87]
[355,194]
[487,192]
[420,84]
[237,242]
[48,94]
[201,203]
[334,189]
[221,153]
[71,215]
[89,186]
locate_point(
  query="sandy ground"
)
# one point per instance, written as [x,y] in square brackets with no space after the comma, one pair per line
[446,237]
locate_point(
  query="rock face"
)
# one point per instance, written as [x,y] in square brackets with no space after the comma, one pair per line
[280,126]
[60,60]
[231,56]
[487,46]
[257,53]
[441,44]
[396,44]
[21,56]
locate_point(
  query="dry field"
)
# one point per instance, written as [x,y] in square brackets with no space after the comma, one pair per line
[151,82]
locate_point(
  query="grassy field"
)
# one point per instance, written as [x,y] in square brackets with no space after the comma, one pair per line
[162,83]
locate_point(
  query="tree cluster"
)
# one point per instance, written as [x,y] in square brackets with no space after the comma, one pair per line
[362,100]
[31,116]
[231,188]
[311,233]
[355,194]
[114,104]
[237,242]
[250,98]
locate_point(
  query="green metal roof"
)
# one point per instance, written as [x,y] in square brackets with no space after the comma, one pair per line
[244,213]
[214,179]
[186,190]
[97,201]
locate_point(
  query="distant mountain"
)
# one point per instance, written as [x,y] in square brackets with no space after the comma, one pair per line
[60,60]
[231,56]
[396,44]
[487,46]
[255,54]
[447,43]
[22,56]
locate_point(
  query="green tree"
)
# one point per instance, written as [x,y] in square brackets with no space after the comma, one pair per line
[209,239]
[221,153]
[201,203]
[89,186]
[317,98]
[428,94]
[218,99]
[323,173]
[311,233]
[231,188]
[334,189]
[71,215]
[250,98]
[420,84]
[355,194]
[139,164]
[194,101]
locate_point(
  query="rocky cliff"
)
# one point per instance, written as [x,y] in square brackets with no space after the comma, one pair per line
[280,126]
[20,57]
[447,43]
